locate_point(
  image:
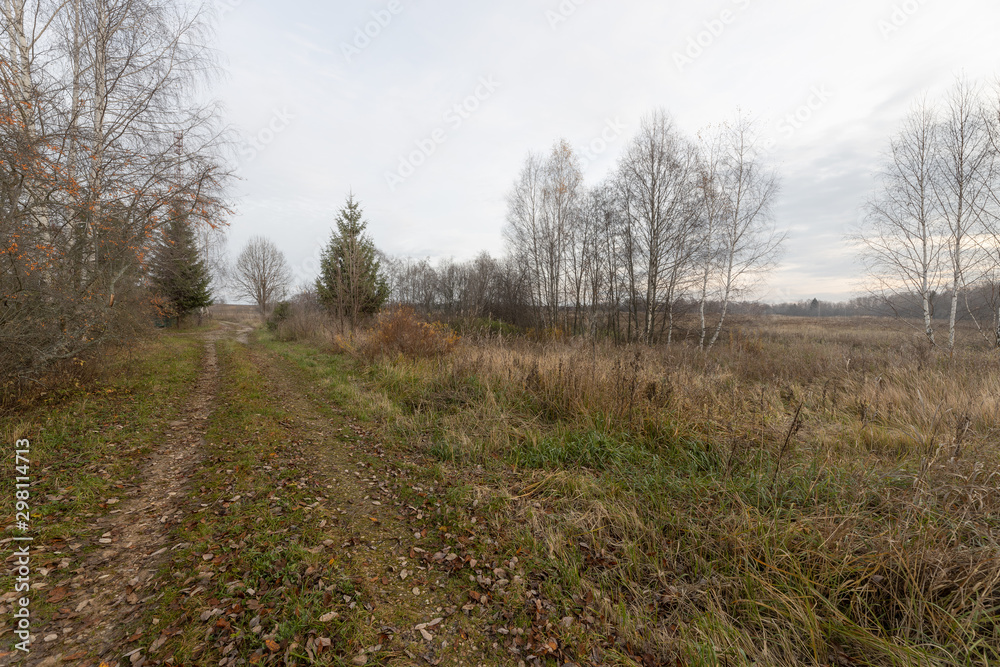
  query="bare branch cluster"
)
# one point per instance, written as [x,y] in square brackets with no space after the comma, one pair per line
[261,274]
[931,229]
[677,222]
[103,142]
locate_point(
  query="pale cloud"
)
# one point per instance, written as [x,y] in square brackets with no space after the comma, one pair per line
[354,118]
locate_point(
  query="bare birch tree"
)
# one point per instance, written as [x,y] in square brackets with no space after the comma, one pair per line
[991,112]
[524,231]
[543,210]
[561,200]
[656,183]
[965,164]
[902,238]
[713,209]
[749,243]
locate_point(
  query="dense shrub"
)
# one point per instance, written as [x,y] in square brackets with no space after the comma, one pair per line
[400,331]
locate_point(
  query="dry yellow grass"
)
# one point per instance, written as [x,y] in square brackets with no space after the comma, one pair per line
[237,313]
[808,493]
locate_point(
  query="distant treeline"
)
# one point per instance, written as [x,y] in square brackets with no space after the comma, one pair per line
[495,288]
[979,304]
[680,219]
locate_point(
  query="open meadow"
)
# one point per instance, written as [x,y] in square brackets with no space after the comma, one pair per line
[812,491]
[809,492]
[527,334]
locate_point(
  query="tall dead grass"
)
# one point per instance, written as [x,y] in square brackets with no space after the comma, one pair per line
[803,494]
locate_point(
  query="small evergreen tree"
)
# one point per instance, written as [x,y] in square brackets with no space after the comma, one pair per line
[177,274]
[351,283]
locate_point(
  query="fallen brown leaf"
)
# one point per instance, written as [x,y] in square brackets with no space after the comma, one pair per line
[57,594]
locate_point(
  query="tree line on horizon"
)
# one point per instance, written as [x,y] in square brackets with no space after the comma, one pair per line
[680,220]
[489,287]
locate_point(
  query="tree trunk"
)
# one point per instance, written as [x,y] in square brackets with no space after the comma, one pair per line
[928,317]
[996,329]
[953,317]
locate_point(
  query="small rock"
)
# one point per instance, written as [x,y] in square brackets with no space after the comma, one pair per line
[426,635]
[50,638]
[360,659]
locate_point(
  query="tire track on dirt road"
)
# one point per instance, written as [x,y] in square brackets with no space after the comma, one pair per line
[109,589]
[415,608]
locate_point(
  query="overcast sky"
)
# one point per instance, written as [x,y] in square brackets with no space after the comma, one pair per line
[325,108]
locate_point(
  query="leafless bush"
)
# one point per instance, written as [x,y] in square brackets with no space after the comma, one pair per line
[399,331]
[306,320]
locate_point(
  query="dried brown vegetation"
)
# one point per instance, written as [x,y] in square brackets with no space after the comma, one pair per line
[810,492]
[400,331]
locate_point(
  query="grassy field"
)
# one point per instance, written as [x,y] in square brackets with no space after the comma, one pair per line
[88,442]
[816,492]
[236,313]
[810,492]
